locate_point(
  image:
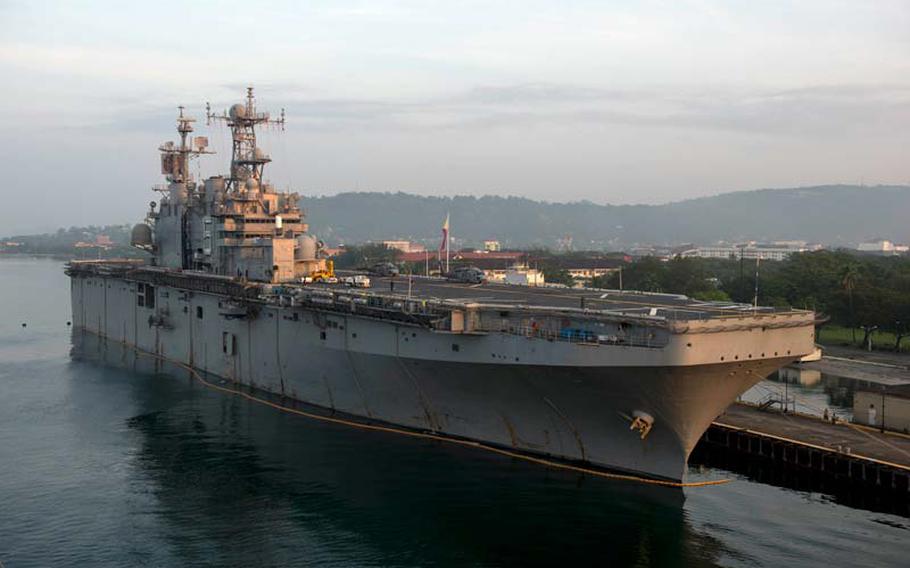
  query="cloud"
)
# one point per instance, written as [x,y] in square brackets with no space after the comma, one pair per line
[805,112]
[604,100]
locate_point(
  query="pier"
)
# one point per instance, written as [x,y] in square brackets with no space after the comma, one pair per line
[809,452]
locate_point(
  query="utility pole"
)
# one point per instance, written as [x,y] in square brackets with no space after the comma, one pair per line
[742,272]
[786,394]
[883,410]
[755,300]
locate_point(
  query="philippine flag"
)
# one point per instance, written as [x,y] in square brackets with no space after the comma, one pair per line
[444,245]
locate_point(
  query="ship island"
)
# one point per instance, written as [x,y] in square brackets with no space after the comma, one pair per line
[234,285]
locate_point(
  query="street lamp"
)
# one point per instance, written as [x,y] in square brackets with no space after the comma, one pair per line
[882,429]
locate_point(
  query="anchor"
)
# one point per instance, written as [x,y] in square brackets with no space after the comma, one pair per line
[643,422]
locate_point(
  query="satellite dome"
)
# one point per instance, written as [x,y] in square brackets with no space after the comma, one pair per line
[252,184]
[259,154]
[237,111]
[306,248]
[141,236]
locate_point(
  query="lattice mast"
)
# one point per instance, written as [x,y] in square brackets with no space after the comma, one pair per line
[175,160]
[247,159]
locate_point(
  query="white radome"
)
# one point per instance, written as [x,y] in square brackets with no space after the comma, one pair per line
[237,111]
[306,247]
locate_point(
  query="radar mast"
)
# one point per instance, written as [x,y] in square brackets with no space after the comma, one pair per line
[175,160]
[247,159]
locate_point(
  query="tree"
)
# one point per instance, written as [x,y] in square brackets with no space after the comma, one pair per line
[362,256]
[900,332]
[712,296]
[558,276]
[849,278]
[687,276]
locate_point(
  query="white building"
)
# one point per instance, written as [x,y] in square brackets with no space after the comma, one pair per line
[520,275]
[404,246]
[750,251]
[492,246]
[882,246]
[588,274]
[524,277]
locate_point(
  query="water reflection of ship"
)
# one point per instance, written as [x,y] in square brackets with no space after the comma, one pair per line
[799,375]
[821,390]
[238,483]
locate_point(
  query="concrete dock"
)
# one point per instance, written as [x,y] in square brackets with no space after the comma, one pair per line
[843,453]
[880,367]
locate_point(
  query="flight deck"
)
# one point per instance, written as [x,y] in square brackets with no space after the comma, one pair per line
[667,306]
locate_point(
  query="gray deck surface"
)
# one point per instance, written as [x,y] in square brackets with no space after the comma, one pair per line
[667,305]
[893,448]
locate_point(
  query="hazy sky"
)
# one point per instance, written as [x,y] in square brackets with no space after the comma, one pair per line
[616,102]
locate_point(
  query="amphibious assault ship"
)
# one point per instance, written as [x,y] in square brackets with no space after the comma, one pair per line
[619,380]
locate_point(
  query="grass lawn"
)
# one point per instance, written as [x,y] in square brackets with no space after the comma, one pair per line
[881,340]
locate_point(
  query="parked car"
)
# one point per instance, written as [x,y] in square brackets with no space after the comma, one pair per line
[469,274]
[384,269]
[357,281]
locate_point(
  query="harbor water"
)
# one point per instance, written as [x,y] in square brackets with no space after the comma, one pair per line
[109,461]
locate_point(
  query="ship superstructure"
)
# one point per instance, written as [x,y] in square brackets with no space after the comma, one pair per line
[614,379]
[234,225]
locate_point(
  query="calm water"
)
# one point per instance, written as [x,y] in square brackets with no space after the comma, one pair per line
[809,391]
[104,462]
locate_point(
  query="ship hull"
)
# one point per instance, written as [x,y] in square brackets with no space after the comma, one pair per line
[486,388]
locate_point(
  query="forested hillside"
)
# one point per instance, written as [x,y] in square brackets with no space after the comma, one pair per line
[834,215]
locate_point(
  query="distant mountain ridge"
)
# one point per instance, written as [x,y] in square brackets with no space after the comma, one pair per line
[832,215]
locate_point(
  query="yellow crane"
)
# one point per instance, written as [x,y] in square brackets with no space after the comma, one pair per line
[325,274]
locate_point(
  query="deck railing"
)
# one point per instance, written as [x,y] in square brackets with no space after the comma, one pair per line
[641,339]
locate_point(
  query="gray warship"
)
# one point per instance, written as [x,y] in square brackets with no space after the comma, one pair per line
[615,380]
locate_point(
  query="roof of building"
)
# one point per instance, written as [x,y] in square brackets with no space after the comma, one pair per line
[574,262]
[460,256]
[896,391]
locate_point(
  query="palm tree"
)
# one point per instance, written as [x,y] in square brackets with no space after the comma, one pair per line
[848,282]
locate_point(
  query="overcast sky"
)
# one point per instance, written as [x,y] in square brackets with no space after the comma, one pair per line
[615,102]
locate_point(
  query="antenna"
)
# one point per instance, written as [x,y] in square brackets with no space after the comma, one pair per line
[175,160]
[247,159]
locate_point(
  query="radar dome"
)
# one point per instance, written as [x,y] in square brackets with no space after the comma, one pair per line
[237,111]
[252,184]
[141,236]
[259,154]
[306,248]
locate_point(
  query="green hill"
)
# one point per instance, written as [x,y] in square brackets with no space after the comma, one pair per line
[834,215]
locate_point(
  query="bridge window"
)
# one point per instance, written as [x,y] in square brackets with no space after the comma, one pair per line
[199,312]
[228,343]
[145,295]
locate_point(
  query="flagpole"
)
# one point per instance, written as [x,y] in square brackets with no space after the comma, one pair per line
[755,301]
[445,241]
